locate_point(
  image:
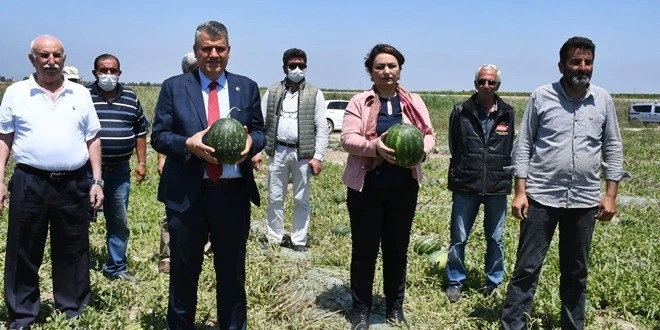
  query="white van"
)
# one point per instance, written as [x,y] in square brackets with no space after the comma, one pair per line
[645,112]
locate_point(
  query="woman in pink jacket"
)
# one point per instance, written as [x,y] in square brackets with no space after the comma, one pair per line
[382,196]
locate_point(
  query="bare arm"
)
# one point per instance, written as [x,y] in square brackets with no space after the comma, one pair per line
[607,206]
[141,149]
[520,204]
[5,149]
[96,191]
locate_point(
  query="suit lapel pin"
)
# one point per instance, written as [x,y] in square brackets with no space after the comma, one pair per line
[238,89]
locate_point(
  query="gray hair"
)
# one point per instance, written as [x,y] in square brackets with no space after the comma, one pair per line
[213,29]
[44,36]
[489,67]
[189,62]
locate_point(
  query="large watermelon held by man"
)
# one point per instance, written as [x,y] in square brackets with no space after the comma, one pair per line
[407,142]
[227,136]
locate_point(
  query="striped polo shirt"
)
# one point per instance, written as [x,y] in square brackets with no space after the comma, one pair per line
[122,121]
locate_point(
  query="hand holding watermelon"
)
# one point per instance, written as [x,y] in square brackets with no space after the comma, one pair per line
[407,143]
[195,146]
[383,150]
[248,146]
[229,141]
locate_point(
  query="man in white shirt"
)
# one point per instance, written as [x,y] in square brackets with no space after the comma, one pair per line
[296,139]
[51,126]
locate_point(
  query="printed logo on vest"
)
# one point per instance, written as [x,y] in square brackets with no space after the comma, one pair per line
[502,129]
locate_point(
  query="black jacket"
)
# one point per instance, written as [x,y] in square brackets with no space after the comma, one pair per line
[476,166]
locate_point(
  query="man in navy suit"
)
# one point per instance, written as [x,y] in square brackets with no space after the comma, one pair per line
[197,202]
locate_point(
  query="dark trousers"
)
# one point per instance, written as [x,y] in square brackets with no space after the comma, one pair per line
[576,227]
[37,202]
[380,216]
[222,211]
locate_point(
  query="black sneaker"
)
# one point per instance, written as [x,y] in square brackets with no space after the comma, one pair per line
[299,248]
[453,293]
[360,319]
[396,317]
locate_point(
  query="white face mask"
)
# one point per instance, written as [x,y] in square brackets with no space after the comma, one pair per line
[296,75]
[107,82]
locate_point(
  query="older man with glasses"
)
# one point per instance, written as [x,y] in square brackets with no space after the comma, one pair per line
[480,141]
[296,139]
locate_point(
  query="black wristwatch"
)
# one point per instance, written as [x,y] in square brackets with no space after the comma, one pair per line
[98,182]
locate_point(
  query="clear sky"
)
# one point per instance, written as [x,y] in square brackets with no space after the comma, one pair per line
[443,42]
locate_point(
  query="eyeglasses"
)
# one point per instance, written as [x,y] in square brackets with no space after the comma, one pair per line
[289,114]
[293,66]
[484,81]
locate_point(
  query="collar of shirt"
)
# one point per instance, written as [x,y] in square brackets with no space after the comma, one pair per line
[481,109]
[588,94]
[37,89]
[205,81]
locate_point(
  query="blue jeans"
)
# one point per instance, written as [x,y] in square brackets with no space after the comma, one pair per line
[463,213]
[116,190]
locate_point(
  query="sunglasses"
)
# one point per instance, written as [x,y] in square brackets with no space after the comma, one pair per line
[484,81]
[293,66]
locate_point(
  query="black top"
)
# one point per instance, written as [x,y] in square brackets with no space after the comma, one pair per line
[478,159]
[388,174]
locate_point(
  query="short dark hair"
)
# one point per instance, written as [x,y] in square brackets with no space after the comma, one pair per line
[105,57]
[293,52]
[382,49]
[213,29]
[576,42]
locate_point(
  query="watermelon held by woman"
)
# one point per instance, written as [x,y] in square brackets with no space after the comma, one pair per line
[407,142]
[227,136]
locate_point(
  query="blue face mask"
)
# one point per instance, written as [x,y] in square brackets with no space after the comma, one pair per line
[107,82]
[296,75]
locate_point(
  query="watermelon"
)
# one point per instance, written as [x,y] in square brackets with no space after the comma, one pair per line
[427,244]
[407,142]
[341,229]
[227,137]
[437,260]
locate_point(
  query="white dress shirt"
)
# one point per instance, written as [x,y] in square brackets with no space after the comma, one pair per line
[49,134]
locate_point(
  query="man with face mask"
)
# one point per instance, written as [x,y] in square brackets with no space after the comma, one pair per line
[566,128]
[123,128]
[296,139]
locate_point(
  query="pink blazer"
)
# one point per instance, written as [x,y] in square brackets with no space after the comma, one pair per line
[362,155]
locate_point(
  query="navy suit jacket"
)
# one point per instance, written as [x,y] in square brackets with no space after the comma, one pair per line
[180,113]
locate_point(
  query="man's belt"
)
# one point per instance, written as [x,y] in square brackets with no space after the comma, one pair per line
[51,175]
[289,145]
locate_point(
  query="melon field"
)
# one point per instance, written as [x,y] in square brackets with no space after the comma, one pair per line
[289,290]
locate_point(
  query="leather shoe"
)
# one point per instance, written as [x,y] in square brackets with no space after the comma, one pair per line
[360,319]
[164,266]
[396,317]
[453,293]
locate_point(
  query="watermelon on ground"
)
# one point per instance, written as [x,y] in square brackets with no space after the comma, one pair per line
[407,142]
[227,136]
[341,229]
[427,244]
[437,260]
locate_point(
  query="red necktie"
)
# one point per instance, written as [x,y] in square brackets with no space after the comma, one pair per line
[214,171]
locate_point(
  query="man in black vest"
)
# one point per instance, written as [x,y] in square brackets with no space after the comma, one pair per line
[296,139]
[481,132]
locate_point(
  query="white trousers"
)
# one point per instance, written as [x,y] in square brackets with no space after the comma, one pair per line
[285,162]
